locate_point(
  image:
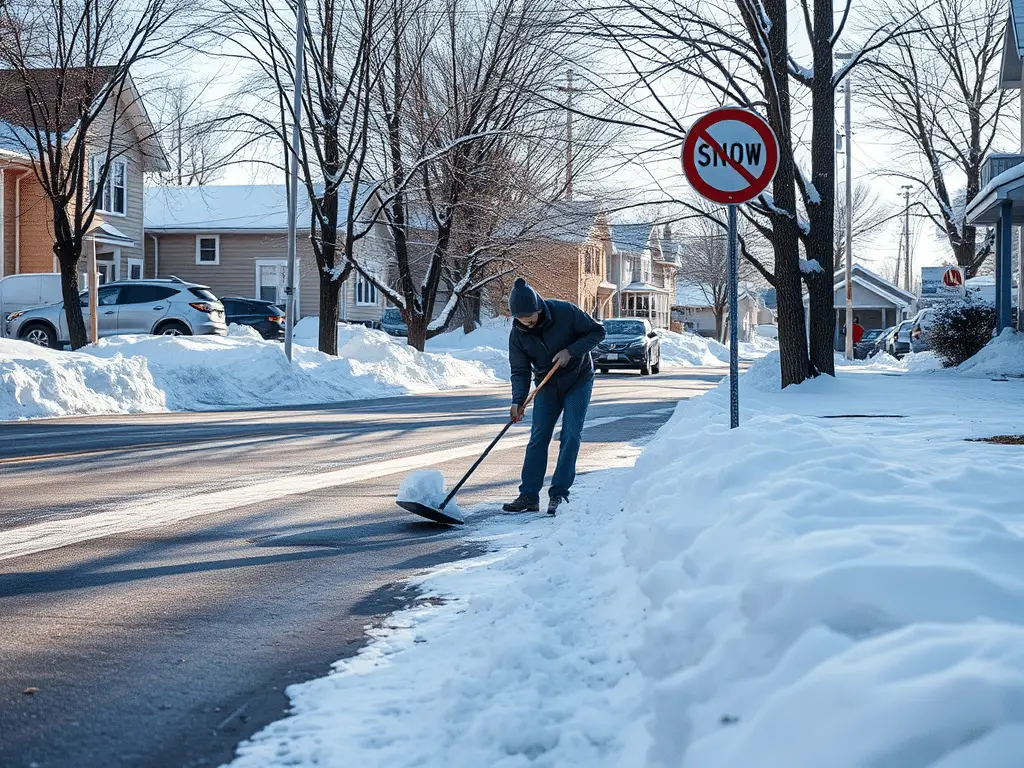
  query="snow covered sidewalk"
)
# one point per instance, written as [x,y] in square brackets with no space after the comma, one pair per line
[837,584]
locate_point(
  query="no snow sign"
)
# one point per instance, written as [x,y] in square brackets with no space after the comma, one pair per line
[730,155]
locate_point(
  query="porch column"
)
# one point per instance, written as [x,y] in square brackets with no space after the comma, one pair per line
[1004,247]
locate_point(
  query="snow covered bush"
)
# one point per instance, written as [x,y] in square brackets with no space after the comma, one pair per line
[960,330]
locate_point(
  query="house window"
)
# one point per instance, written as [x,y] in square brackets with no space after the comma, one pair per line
[134,269]
[208,249]
[366,291]
[113,198]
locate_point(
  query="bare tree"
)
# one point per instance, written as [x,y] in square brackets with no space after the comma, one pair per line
[68,89]
[344,39]
[741,52]
[940,99]
[704,264]
[461,101]
[870,215]
[192,133]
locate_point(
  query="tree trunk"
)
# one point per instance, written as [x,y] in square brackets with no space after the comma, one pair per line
[793,360]
[720,325]
[72,307]
[329,292]
[821,309]
[417,338]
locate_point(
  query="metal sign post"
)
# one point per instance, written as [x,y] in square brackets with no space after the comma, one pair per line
[734,312]
[293,175]
[730,156]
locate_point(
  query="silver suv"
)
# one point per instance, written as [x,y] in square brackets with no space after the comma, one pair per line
[167,307]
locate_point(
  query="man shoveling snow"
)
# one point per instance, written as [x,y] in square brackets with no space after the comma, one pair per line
[546,333]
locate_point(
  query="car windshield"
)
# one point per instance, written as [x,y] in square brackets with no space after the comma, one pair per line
[872,335]
[392,315]
[624,327]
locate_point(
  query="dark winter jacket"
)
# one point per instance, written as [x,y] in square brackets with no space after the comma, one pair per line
[562,326]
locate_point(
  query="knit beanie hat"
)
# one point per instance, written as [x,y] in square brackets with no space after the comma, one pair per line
[523,300]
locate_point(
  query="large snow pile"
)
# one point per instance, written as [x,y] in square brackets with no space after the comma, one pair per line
[689,349]
[209,372]
[1003,356]
[193,373]
[36,382]
[798,593]
[487,345]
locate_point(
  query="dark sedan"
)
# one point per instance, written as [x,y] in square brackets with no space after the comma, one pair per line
[866,347]
[629,344]
[265,316]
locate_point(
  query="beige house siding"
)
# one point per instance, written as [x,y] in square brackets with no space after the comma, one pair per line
[235,275]
[131,223]
[36,227]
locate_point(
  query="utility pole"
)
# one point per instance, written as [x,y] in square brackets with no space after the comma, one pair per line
[293,176]
[906,237]
[847,98]
[1020,235]
[569,90]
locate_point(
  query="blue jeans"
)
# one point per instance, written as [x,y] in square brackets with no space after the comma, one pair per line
[547,407]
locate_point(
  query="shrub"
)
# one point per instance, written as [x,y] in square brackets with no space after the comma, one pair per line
[960,329]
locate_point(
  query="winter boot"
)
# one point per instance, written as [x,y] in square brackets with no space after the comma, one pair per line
[554,502]
[523,503]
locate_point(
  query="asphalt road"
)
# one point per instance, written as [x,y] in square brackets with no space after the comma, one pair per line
[164,577]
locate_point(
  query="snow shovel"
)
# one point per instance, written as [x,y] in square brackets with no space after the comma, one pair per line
[438,515]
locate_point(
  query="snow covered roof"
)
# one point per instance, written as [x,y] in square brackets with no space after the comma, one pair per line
[638,287]
[226,208]
[696,295]
[984,208]
[630,238]
[1010,74]
[105,232]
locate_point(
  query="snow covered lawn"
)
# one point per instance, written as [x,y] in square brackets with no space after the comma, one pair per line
[129,374]
[837,584]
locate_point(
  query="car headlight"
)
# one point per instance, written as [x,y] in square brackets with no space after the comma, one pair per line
[14,316]
[637,344]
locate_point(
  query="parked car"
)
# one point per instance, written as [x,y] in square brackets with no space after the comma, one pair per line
[391,322]
[879,344]
[19,292]
[265,316]
[867,346]
[897,343]
[629,343]
[167,307]
[921,324]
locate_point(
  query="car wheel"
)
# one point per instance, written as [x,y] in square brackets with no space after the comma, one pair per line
[39,334]
[173,329]
[645,369]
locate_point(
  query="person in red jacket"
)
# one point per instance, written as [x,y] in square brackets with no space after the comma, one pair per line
[858,330]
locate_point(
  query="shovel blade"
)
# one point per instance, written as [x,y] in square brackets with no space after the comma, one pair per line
[431,513]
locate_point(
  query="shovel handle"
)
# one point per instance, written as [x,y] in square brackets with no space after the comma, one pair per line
[494,442]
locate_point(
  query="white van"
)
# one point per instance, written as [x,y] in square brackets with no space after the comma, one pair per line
[25,291]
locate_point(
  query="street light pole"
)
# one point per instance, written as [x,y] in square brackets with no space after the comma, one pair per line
[906,236]
[847,98]
[293,175]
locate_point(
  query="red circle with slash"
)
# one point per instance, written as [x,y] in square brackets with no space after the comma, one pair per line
[730,155]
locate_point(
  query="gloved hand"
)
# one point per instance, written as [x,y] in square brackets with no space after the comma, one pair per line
[516,414]
[562,358]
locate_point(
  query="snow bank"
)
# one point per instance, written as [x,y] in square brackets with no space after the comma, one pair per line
[37,382]
[487,345]
[193,373]
[797,593]
[689,349]
[211,372]
[1003,356]
[426,486]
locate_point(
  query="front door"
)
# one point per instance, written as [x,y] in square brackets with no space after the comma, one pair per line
[272,279]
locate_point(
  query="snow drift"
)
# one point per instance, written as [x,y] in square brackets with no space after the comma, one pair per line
[800,592]
[194,373]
